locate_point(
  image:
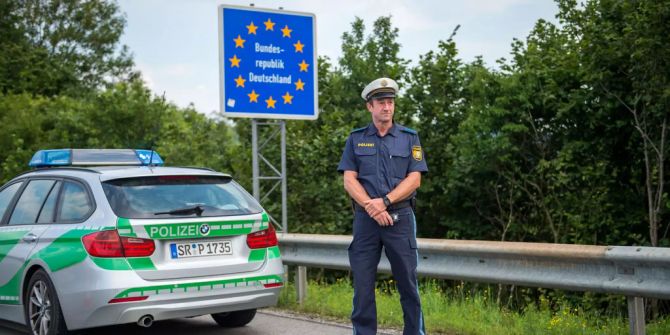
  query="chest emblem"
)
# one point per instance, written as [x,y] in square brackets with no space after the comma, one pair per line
[368,145]
[417,154]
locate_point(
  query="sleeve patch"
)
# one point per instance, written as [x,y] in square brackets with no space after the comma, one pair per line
[417,153]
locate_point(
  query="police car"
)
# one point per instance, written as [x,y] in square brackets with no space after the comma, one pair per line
[95,237]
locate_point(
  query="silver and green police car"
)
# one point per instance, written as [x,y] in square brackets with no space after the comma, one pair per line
[100,237]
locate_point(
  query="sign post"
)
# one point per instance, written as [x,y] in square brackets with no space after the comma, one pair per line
[268,69]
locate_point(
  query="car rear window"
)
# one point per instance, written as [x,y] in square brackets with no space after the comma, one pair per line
[75,204]
[178,196]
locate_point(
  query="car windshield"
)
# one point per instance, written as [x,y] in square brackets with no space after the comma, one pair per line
[178,196]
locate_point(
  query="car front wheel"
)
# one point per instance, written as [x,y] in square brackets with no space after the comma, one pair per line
[43,313]
[234,319]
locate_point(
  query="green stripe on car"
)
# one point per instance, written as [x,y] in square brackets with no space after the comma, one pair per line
[124,264]
[65,251]
[118,264]
[124,227]
[10,239]
[10,290]
[258,255]
[141,263]
[273,252]
[202,286]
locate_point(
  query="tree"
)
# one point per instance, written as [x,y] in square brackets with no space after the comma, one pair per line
[61,46]
[126,115]
[434,107]
[621,44]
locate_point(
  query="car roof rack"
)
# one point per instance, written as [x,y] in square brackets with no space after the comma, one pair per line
[95,157]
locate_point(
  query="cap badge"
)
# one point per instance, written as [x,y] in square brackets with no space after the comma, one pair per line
[384,83]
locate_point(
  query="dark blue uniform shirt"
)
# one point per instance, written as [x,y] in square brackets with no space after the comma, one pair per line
[382,162]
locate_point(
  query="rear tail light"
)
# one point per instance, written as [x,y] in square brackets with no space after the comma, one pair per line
[262,239]
[137,247]
[105,243]
[272,285]
[108,244]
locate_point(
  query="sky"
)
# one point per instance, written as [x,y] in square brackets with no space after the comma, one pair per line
[174,43]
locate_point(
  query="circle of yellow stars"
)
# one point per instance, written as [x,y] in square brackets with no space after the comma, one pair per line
[286,31]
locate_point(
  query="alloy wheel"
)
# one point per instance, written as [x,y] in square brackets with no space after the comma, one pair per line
[40,308]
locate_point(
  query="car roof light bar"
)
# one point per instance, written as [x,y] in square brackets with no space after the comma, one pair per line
[95,157]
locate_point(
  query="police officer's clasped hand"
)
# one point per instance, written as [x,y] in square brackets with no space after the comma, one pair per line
[374,207]
[377,210]
[384,219]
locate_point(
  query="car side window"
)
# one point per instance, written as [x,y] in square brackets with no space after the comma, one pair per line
[47,213]
[30,202]
[6,197]
[75,202]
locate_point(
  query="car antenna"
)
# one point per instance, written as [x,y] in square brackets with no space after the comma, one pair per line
[151,157]
[152,144]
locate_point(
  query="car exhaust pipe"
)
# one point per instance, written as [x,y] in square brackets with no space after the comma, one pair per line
[146,321]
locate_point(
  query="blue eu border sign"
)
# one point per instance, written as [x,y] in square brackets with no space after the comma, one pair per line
[267,63]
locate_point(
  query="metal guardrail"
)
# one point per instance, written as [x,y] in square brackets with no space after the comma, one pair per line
[635,272]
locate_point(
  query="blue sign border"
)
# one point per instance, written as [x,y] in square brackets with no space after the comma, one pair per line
[229,106]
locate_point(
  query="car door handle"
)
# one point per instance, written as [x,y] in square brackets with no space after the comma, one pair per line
[30,238]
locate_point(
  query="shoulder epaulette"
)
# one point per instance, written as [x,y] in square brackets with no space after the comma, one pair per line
[408,130]
[359,129]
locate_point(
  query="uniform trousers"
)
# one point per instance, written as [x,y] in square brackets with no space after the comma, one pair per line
[399,244]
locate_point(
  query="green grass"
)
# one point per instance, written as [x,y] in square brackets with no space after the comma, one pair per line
[459,313]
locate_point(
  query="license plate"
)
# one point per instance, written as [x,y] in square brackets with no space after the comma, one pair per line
[200,249]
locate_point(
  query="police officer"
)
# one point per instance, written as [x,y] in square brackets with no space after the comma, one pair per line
[382,165]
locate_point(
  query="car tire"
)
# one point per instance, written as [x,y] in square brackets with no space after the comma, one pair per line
[234,319]
[42,308]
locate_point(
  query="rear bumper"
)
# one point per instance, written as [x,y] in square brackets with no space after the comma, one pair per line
[183,306]
[85,292]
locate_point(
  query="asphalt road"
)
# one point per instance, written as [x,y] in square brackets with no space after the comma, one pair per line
[266,322]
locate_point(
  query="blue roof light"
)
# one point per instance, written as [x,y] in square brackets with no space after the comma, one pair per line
[145,155]
[94,157]
[57,157]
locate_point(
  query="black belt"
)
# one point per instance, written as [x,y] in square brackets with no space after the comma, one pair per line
[393,207]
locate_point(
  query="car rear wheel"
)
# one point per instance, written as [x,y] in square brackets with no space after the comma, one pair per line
[234,319]
[43,313]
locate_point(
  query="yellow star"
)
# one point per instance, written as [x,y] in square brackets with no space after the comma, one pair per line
[239,42]
[285,32]
[288,99]
[299,85]
[269,25]
[251,28]
[239,81]
[303,66]
[271,102]
[234,61]
[298,46]
[253,97]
